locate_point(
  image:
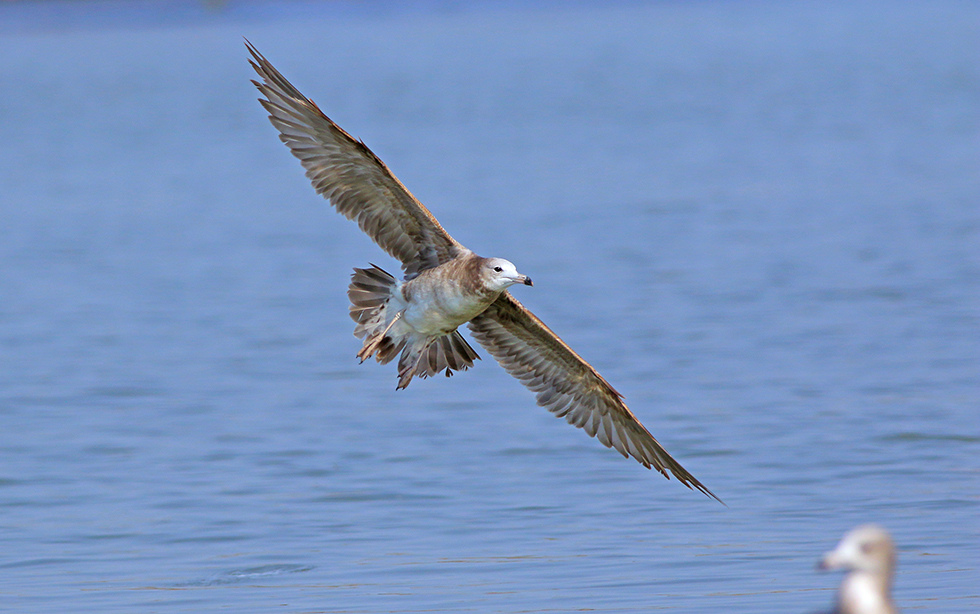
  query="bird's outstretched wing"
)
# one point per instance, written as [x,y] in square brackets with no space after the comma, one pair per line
[568,386]
[351,177]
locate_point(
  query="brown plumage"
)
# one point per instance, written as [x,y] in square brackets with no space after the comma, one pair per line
[445,286]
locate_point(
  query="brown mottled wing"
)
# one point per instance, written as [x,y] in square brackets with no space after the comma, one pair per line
[568,386]
[351,177]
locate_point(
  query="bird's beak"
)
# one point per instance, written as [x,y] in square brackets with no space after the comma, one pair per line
[829,562]
[520,279]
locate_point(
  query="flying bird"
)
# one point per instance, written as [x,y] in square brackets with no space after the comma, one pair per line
[868,555]
[445,285]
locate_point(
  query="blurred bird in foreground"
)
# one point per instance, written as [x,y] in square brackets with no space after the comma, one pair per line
[868,555]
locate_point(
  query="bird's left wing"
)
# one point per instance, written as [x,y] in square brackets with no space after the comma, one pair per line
[351,177]
[568,386]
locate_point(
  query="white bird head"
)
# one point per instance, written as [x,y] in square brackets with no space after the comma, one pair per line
[867,548]
[501,274]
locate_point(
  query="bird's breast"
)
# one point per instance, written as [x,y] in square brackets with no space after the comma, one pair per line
[864,593]
[438,304]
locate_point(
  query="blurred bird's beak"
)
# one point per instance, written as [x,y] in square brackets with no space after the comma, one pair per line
[527,281]
[830,561]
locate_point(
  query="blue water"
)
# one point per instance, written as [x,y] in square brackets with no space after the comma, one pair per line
[760,221]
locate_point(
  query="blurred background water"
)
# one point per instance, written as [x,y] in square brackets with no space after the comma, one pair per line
[760,221]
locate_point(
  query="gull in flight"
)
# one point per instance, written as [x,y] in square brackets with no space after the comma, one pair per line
[868,555]
[445,286]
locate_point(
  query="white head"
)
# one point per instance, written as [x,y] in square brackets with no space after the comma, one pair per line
[867,548]
[501,274]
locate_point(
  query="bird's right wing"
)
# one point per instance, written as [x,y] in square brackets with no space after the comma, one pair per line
[351,177]
[568,386]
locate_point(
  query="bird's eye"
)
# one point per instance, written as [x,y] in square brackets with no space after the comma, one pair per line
[498,269]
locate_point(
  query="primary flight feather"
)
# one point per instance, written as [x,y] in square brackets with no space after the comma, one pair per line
[445,285]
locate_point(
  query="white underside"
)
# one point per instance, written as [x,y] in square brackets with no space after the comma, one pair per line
[438,311]
[862,593]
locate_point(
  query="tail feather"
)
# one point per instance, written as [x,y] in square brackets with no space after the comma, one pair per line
[389,348]
[365,300]
[460,351]
[378,274]
[369,293]
[408,364]
[436,358]
[429,356]
[446,350]
[447,353]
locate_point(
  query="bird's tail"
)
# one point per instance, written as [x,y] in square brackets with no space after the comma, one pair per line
[425,356]
[370,293]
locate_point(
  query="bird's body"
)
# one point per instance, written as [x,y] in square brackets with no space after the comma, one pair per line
[445,286]
[863,593]
[419,317]
[868,555]
[443,298]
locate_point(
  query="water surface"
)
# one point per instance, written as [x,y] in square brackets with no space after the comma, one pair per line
[760,222]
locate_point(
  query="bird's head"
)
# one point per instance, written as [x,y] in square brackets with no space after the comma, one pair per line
[500,274]
[867,548]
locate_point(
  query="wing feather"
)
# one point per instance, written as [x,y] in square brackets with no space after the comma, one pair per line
[355,181]
[568,386]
